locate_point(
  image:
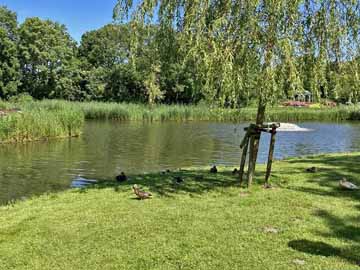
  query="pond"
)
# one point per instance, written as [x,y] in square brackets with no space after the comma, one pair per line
[107,148]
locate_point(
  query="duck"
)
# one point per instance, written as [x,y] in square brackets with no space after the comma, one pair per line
[235,171]
[121,178]
[213,169]
[178,179]
[312,170]
[142,195]
[347,185]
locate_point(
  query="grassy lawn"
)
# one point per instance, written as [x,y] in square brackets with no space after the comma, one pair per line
[208,222]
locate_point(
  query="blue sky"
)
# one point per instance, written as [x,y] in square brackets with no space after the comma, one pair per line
[79,16]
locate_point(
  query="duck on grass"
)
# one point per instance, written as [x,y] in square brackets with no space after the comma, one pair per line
[206,222]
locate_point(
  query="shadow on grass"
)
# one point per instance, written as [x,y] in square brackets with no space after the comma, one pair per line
[325,182]
[348,228]
[164,184]
[318,248]
[345,164]
[339,228]
[331,169]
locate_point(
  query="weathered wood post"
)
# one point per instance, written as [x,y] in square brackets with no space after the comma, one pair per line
[253,133]
[271,153]
[244,146]
[253,150]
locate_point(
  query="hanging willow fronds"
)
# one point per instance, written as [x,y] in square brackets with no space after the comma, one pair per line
[263,48]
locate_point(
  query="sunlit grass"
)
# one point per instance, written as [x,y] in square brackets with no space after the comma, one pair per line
[208,222]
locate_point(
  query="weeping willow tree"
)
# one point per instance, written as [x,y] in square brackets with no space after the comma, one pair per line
[256,48]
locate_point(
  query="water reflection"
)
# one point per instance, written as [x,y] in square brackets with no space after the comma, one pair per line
[107,148]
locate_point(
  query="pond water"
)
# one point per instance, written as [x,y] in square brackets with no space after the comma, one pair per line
[107,148]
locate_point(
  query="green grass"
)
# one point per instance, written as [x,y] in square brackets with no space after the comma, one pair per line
[204,223]
[37,123]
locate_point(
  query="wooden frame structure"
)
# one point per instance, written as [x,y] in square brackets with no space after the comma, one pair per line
[253,132]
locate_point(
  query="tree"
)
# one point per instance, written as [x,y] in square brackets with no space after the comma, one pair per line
[9,64]
[105,47]
[124,84]
[47,58]
[103,52]
[251,48]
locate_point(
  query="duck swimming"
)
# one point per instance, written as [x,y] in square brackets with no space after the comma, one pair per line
[142,195]
[121,178]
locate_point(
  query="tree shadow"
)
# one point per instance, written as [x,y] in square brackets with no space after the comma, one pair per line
[318,248]
[195,182]
[314,248]
[325,182]
[340,227]
[331,169]
[342,162]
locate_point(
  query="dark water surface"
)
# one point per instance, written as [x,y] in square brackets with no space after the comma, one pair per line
[107,148]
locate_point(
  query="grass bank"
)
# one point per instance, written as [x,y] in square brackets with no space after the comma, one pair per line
[38,123]
[207,222]
[138,112]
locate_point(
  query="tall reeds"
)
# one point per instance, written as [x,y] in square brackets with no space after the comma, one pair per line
[58,118]
[38,123]
[140,112]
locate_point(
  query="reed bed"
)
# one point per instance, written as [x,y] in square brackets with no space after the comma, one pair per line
[140,112]
[58,118]
[36,123]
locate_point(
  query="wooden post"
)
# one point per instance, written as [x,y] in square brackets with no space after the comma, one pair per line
[244,147]
[271,154]
[254,140]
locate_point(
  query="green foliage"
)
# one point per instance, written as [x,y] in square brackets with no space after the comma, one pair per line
[9,64]
[21,99]
[265,49]
[221,53]
[105,47]
[37,123]
[161,112]
[125,85]
[46,53]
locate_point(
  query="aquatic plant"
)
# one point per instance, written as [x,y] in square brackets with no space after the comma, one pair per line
[40,123]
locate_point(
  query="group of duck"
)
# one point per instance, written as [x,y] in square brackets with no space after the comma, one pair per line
[141,194]
[344,183]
